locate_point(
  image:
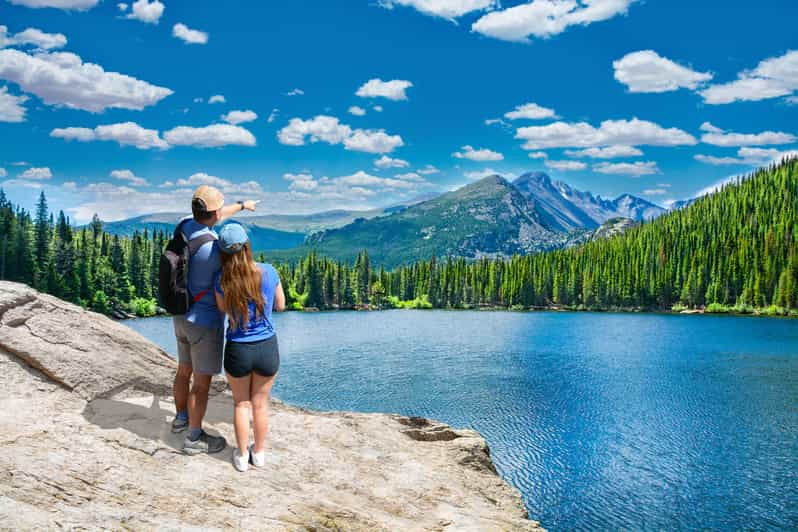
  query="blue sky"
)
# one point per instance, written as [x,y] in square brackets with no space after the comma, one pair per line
[108,109]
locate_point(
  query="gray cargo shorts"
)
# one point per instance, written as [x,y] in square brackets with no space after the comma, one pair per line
[199,347]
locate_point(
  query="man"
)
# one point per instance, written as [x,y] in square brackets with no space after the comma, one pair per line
[200,332]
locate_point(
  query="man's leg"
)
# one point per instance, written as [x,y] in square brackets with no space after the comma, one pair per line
[182,377]
[198,402]
[180,388]
[206,361]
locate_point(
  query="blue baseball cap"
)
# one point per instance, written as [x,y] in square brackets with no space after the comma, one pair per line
[232,238]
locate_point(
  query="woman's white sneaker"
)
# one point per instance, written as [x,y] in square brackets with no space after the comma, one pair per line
[257,459]
[240,462]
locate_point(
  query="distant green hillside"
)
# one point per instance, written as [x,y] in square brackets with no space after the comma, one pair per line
[486,218]
[262,237]
[267,231]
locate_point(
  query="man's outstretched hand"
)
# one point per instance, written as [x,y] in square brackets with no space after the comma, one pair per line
[250,204]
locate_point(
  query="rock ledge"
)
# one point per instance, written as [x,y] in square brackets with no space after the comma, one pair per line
[85,440]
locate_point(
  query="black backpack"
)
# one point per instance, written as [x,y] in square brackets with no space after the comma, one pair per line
[174,295]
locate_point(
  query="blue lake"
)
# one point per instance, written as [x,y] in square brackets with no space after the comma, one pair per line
[633,421]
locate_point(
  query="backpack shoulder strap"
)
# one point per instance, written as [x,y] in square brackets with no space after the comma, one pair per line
[195,243]
[178,232]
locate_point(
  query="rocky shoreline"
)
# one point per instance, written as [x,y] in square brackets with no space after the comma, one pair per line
[86,444]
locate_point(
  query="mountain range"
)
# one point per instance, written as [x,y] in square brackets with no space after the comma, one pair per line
[488,218]
[567,208]
[492,217]
[269,231]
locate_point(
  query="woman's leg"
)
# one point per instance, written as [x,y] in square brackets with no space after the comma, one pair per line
[240,386]
[261,387]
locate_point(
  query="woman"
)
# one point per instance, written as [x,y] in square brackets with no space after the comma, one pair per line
[247,292]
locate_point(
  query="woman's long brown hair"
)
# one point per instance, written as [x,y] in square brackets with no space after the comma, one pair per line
[241,283]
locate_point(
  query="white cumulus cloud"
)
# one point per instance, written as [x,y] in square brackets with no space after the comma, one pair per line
[189,36]
[706,126]
[217,98]
[36,173]
[357,111]
[62,78]
[719,137]
[647,71]
[448,9]
[239,117]
[635,169]
[11,108]
[427,170]
[717,161]
[545,18]
[329,129]
[130,133]
[212,136]
[76,5]
[565,165]
[146,11]
[129,176]
[33,37]
[388,162]
[295,92]
[748,156]
[304,182]
[372,141]
[410,176]
[530,110]
[319,128]
[201,178]
[632,132]
[772,78]
[358,186]
[377,88]
[609,152]
[482,154]
[124,133]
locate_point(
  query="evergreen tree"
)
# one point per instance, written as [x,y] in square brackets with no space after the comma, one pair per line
[42,246]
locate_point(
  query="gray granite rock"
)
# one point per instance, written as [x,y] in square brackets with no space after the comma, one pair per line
[84,411]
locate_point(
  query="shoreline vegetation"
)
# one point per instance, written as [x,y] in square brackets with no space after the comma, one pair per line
[771,311]
[732,252]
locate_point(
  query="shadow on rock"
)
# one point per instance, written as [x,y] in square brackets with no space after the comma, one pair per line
[149,424]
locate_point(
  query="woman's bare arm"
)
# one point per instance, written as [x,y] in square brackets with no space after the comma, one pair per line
[279,298]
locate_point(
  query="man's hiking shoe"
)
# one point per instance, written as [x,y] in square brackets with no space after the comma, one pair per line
[179,424]
[256,459]
[240,462]
[204,444]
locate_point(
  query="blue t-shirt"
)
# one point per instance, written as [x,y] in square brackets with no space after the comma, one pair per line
[204,265]
[259,327]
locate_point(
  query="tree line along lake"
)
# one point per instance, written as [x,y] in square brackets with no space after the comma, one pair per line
[733,250]
[601,420]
